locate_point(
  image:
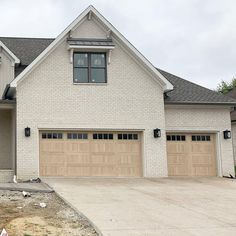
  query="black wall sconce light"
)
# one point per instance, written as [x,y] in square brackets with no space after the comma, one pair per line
[27,132]
[227,134]
[157,133]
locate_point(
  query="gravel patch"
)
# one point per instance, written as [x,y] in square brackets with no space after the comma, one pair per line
[22,216]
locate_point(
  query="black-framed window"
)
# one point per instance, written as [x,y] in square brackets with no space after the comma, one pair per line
[175,138]
[90,67]
[52,135]
[102,136]
[201,138]
[77,136]
[127,136]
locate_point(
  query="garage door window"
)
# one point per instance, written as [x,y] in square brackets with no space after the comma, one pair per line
[128,136]
[102,136]
[201,138]
[52,136]
[77,136]
[175,138]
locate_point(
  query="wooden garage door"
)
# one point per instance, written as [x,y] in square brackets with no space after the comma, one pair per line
[90,153]
[191,154]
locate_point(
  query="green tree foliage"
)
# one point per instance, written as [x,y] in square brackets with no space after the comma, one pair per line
[224,87]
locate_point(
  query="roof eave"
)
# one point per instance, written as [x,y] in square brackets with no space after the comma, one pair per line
[201,103]
[10,53]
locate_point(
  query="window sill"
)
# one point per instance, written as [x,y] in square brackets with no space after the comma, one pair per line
[93,84]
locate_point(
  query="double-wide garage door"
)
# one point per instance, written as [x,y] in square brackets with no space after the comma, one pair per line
[191,154]
[90,153]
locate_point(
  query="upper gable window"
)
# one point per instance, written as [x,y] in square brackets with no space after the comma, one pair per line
[90,67]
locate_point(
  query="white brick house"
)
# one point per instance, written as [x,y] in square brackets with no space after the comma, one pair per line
[91,102]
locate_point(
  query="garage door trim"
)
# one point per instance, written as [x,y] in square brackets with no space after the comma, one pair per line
[138,163]
[211,156]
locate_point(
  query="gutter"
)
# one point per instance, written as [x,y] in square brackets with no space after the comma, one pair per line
[8,93]
[201,103]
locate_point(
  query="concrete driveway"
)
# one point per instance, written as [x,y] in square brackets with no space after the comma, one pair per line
[148,207]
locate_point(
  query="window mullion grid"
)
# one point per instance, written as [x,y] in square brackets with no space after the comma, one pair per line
[89,68]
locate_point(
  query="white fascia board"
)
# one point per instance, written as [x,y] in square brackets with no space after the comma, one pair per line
[10,53]
[167,87]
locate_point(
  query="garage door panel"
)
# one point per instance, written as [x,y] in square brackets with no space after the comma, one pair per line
[177,159]
[55,170]
[128,171]
[75,147]
[177,148]
[100,146]
[202,159]
[177,170]
[128,159]
[83,158]
[195,156]
[202,148]
[54,159]
[76,154]
[104,159]
[202,171]
[128,147]
[103,170]
[74,171]
[52,146]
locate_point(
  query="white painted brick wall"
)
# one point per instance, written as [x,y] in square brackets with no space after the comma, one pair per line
[131,99]
[199,119]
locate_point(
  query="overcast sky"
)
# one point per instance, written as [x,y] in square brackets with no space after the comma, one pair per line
[194,39]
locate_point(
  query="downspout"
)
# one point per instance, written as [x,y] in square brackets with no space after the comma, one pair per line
[15,145]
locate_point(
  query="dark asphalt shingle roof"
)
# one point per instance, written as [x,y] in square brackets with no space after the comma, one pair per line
[27,49]
[188,92]
[91,42]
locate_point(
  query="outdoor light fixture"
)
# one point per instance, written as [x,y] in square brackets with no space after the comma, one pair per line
[27,132]
[157,133]
[227,134]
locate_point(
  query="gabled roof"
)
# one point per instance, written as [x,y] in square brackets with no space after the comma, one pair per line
[88,12]
[31,51]
[186,92]
[9,52]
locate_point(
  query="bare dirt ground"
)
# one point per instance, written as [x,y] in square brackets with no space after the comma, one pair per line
[24,217]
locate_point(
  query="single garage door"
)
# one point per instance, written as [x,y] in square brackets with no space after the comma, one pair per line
[90,153]
[191,154]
